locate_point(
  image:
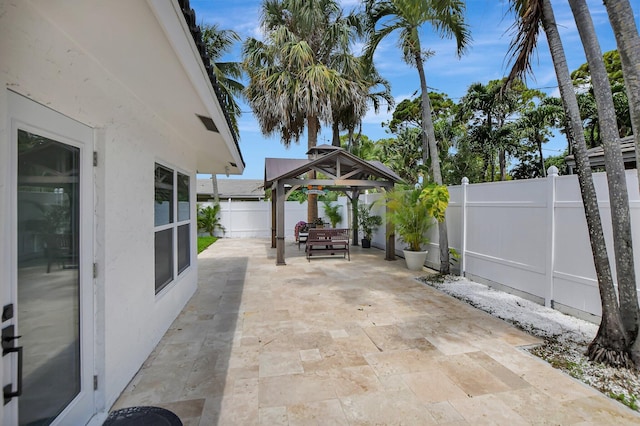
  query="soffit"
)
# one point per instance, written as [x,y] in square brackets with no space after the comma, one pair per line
[148,48]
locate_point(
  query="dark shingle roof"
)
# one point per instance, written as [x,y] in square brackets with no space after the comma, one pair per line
[596,155]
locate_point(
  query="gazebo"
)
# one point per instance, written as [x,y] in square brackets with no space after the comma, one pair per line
[339,170]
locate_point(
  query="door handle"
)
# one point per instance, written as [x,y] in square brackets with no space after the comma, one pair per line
[8,340]
[7,391]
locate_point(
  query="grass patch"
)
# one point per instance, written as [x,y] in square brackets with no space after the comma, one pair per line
[204,242]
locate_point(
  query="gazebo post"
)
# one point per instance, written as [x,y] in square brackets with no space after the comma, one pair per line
[280,223]
[355,194]
[390,247]
[274,197]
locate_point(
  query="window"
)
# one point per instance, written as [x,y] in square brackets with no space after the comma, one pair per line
[172,220]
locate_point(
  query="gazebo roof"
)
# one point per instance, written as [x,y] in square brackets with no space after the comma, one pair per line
[340,168]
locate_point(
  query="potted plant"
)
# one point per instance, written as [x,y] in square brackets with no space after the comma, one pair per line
[367,223]
[412,213]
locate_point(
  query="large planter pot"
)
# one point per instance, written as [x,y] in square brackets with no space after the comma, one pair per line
[366,243]
[415,259]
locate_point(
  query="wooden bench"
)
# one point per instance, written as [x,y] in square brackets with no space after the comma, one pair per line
[327,241]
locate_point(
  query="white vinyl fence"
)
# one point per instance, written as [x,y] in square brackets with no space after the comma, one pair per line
[527,237]
[530,237]
[252,219]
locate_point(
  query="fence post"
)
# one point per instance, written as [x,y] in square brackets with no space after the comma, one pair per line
[229,228]
[552,174]
[463,226]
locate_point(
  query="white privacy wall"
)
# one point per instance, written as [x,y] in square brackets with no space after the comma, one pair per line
[528,237]
[506,223]
[252,219]
[531,237]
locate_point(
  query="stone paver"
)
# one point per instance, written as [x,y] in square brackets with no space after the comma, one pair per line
[347,343]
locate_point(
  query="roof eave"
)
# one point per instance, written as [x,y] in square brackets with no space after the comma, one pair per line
[172,16]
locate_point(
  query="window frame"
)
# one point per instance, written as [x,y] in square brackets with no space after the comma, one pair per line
[174,224]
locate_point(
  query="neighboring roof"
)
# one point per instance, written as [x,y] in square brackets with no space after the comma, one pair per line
[233,188]
[596,155]
[336,163]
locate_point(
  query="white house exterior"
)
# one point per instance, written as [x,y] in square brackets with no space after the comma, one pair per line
[107,112]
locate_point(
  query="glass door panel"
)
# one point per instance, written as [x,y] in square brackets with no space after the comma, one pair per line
[48,276]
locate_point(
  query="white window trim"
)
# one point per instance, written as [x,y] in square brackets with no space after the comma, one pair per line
[175,225]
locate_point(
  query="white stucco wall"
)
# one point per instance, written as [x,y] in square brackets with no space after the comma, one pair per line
[5,210]
[40,62]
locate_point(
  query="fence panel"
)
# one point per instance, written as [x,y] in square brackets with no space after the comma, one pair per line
[505,242]
[575,283]
[252,219]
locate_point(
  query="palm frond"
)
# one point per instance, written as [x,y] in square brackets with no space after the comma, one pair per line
[525,32]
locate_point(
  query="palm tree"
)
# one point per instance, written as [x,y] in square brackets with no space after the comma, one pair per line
[589,114]
[477,107]
[407,17]
[208,219]
[218,42]
[365,148]
[489,109]
[292,82]
[587,102]
[332,212]
[611,342]
[534,125]
[616,177]
[349,116]
[403,154]
[628,41]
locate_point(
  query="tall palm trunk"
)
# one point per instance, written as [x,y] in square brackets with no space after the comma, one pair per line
[628,41]
[312,141]
[616,178]
[485,167]
[502,154]
[335,131]
[492,162]
[610,344]
[428,130]
[538,138]
[492,158]
[352,143]
[502,161]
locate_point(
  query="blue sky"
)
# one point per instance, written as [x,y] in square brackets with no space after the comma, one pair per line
[484,60]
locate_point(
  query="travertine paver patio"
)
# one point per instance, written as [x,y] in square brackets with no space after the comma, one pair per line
[354,343]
